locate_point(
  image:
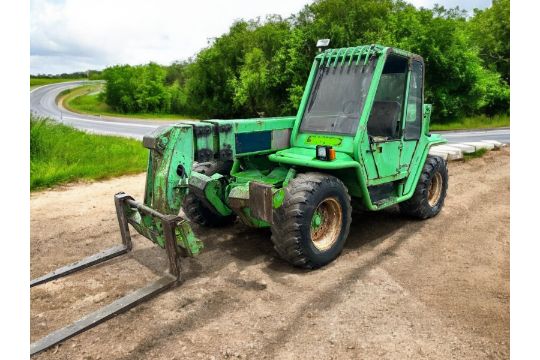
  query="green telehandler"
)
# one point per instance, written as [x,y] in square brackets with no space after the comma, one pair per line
[360,138]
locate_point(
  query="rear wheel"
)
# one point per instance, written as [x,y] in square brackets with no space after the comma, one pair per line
[311,226]
[196,210]
[430,192]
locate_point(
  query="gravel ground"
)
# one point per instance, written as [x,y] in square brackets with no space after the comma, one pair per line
[402,289]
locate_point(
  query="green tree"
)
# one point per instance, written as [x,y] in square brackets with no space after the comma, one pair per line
[139,88]
[490,32]
[457,82]
[262,65]
[252,85]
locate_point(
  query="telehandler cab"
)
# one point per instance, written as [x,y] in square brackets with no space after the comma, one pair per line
[360,137]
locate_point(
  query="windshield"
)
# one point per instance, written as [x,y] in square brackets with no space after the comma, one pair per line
[337,98]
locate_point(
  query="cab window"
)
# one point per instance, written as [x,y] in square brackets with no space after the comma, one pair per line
[413,121]
[337,98]
[387,110]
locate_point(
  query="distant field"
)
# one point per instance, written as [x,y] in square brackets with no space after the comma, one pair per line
[476,122]
[86,100]
[61,154]
[35,82]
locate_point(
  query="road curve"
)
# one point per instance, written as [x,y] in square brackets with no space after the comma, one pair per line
[43,103]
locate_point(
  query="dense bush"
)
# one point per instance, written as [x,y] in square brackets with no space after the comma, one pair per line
[262,66]
[140,88]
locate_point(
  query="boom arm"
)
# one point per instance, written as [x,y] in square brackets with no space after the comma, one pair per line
[174,149]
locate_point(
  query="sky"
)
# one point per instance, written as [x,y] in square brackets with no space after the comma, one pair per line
[77,35]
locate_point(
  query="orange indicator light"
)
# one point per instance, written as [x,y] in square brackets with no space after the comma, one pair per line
[331,154]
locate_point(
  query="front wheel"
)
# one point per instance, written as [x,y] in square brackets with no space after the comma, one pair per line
[430,192]
[310,228]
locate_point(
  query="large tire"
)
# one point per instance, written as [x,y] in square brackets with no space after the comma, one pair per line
[298,236]
[430,192]
[196,210]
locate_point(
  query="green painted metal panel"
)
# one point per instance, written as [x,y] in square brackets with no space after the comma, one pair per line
[426,118]
[340,143]
[169,166]
[229,129]
[418,160]
[211,189]
[173,149]
[407,152]
[306,157]
[366,155]
[386,156]
[256,124]
[274,177]
[205,144]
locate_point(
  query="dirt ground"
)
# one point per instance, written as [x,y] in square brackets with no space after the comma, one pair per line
[402,289]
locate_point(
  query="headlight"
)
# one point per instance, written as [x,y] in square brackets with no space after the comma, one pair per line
[325,153]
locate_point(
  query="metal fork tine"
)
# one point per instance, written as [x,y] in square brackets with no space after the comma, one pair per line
[103,314]
[170,224]
[81,264]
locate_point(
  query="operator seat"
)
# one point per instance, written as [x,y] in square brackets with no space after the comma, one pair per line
[384,119]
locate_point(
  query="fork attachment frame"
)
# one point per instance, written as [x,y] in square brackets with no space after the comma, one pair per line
[170,225]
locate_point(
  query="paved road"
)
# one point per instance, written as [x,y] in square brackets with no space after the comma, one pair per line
[42,102]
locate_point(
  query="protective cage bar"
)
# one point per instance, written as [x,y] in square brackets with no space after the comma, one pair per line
[125,303]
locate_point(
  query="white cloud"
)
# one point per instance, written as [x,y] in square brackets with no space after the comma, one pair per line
[468,5]
[76,35]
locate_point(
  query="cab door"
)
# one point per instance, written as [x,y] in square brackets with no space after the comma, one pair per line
[384,126]
[412,126]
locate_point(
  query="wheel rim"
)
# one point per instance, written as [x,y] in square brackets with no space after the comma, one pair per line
[326,224]
[435,189]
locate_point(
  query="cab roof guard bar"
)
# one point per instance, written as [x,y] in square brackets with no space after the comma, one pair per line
[331,57]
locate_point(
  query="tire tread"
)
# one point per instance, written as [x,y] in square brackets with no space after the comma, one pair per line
[289,218]
[417,206]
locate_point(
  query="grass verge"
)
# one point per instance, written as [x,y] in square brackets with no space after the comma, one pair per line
[475,122]
[60,154]
[478,153]
[86,100]
[35,82]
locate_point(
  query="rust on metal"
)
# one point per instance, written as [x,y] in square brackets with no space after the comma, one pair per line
[260,201]
[225,128]
[226,153]
[204,155]
[325,232]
